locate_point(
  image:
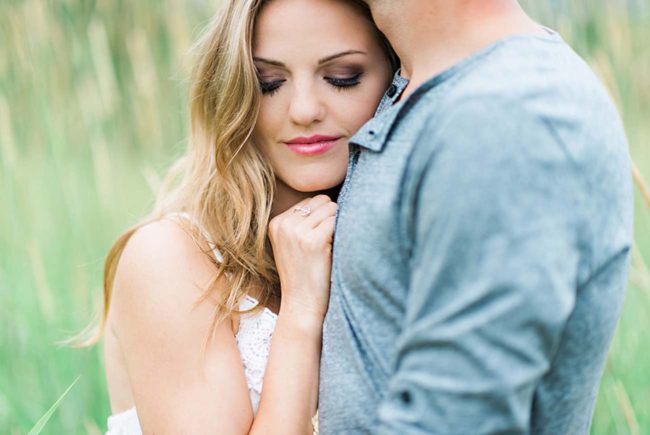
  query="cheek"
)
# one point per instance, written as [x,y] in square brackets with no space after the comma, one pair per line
[268,126]
[356,116]
[360,107]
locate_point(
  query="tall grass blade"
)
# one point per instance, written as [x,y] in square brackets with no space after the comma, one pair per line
[626,406]
[40,424]
[643,186]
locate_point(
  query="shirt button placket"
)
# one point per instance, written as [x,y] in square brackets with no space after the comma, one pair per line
[355,157]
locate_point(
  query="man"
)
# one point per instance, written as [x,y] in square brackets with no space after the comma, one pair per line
[483,233]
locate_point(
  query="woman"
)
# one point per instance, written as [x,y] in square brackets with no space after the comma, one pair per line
[239,250]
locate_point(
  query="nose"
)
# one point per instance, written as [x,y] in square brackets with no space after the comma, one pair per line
[306,106]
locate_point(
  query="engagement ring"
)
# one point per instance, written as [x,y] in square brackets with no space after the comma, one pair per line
[304,211]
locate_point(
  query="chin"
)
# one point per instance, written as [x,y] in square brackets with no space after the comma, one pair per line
[313,186]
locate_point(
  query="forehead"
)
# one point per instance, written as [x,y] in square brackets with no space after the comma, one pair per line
[289,27]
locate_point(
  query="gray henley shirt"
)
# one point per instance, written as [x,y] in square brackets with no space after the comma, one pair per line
[481,251]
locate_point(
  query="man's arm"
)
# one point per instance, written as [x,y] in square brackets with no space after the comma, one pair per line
[495,265]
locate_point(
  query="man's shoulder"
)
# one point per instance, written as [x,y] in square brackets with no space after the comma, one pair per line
[524,74]
[544,118]
[520,88]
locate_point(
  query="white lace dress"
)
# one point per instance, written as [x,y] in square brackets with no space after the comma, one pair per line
[254,343]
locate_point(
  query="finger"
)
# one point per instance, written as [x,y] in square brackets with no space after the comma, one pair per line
[318,215]
[304,204]
[307,206]
[317,201]
[326,228]
[313,201]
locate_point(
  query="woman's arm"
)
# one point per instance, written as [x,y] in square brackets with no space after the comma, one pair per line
[290,394]
[177,387]
[302,247]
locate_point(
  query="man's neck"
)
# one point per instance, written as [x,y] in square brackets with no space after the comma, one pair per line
[431,36]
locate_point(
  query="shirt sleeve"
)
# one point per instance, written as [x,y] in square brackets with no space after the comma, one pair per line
[495,217]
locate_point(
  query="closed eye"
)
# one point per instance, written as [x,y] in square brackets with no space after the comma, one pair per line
[344,82]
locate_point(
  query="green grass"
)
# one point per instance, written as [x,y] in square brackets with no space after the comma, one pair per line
[92,109]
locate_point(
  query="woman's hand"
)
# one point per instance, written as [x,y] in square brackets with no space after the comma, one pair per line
[302,246]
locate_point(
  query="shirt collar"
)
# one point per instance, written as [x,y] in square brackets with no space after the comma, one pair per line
[373,134]
[393,92]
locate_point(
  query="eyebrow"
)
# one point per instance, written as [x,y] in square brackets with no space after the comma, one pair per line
[320,62]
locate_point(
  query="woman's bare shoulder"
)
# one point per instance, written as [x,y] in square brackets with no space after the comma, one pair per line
[162,273]
[164,243]
[162,325]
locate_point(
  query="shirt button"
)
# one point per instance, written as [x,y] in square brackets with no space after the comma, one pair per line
[391,91]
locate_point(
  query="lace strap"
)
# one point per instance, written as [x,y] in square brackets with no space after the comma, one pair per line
[204,233]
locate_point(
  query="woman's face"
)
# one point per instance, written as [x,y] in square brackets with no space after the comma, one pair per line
[322,72]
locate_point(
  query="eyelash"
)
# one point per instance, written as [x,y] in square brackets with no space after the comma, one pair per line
[344,83]
[270,88]
[340,84]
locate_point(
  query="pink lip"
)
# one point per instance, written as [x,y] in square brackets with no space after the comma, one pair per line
[313,145]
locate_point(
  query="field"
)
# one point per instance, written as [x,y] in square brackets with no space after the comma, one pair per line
[92,111]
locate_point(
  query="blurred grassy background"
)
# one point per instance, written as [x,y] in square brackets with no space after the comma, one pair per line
[92,110]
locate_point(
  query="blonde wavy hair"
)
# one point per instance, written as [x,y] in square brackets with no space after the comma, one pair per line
[223,182]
